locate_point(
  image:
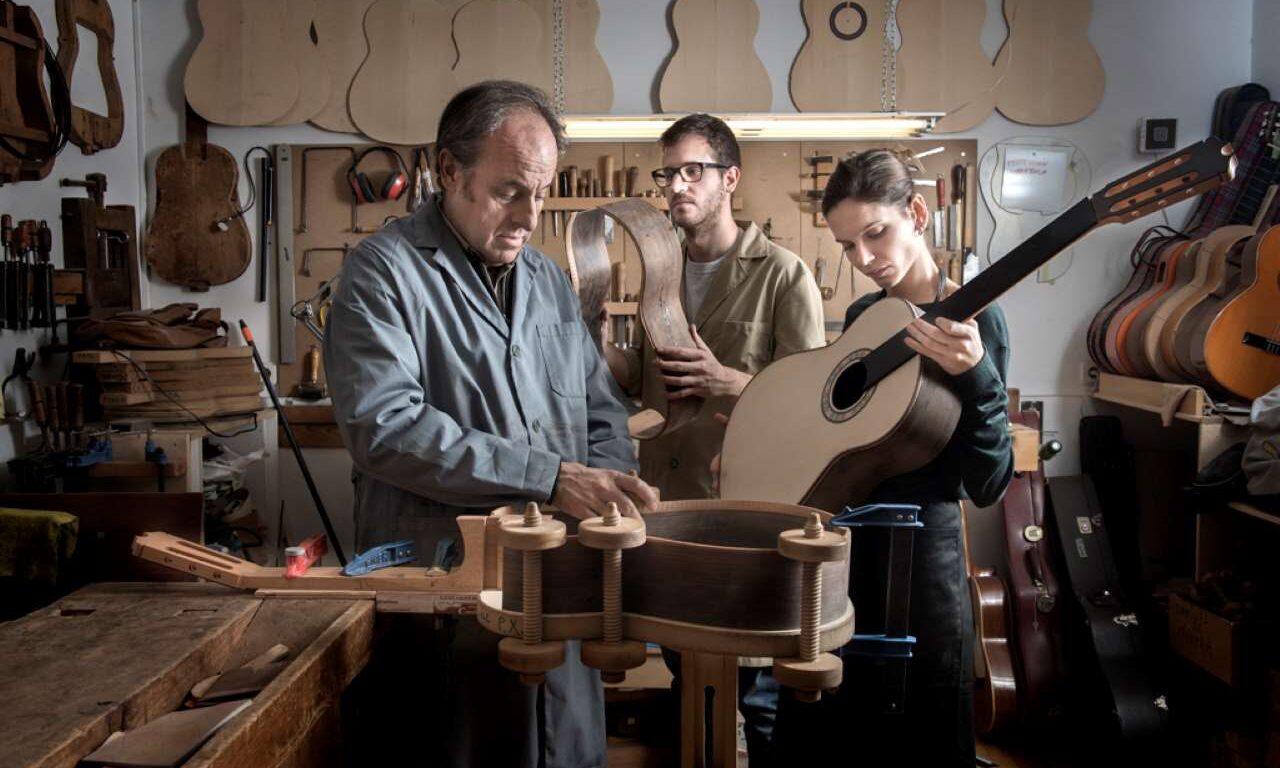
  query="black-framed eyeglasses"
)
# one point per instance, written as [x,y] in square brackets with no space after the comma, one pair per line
[690,172]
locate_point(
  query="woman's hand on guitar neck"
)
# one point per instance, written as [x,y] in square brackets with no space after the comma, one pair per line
[695,372]
[955,347]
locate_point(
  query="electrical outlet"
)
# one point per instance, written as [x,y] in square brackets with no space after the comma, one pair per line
[1088,375]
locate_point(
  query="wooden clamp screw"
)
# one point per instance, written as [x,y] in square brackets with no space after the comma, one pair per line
[811,673]
[611,534]
[529,654]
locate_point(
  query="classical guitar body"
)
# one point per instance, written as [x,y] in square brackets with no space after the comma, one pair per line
[1213,254]
[838,68]
[1100,324]
[1052,73]
[1180,279]
[1242,344]
[195,190]
[995,697]
[1224,274]
[1129,336]
[770,458]
[715,66]
[1111,341]
[240,73]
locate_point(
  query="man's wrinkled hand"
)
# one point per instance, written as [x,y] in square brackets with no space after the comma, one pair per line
[584,492]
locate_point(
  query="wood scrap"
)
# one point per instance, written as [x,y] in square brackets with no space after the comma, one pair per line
[169,739]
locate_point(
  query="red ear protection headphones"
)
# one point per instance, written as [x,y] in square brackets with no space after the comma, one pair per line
[392,189]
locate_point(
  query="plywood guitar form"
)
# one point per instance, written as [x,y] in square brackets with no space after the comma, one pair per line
[588,86]
[240,73]
[404,83]
[314,85]
[1053,75]
[838,67]
[941,64]
[715,66]
[501,40]
[342,47]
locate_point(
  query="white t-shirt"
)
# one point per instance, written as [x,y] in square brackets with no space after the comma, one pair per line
[697,281]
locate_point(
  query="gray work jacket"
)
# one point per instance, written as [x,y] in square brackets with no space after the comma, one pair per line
[447,408]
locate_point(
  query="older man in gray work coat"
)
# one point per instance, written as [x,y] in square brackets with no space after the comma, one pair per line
[463,378]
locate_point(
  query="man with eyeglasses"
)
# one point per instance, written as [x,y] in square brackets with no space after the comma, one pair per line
[748,302]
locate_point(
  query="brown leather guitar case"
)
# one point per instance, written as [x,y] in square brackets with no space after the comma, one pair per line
[1037,622]
[197,237]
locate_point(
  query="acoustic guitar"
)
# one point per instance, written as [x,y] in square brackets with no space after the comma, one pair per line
[824,427]
[1129,335]
[1149,268]
[839,68]
[1183,301]
[1222,275]
[1242,344]
[1097,333]
[1180,278]
[995,689]
[196,237]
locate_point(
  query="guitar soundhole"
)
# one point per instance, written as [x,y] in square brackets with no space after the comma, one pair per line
[839,21]
[845,393]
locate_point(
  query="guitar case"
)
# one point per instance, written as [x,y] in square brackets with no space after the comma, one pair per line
[1110,686]
[1034,584]
[1107,459]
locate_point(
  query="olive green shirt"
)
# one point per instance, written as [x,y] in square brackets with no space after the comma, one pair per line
[762,304]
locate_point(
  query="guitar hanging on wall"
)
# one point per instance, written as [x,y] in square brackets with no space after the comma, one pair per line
[824,427]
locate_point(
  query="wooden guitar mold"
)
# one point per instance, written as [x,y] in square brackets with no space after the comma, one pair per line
[501,40]
[1051,72]
[941,64]
[314,83]
[661,312]
[588,86]
[26,117]
[838,68]
[90,131]
[404,83]
[715,67]
[240,73]
[342,47]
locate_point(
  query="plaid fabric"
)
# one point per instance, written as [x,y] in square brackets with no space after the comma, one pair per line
[1232,202]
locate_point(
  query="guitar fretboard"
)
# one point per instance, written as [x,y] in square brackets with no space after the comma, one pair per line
[1257,341]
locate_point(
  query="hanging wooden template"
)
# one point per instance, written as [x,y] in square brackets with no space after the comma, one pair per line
[840,66]
[715,66]
[501,40]
[941,64]
[197,237]
[240,74]
[26,118]
[90,131]
[340,34]
[588,86]
[1053,75]
[404,83]
[314,85]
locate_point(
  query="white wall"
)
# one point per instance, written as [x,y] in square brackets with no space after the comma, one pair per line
[1266,54]
[1159,60]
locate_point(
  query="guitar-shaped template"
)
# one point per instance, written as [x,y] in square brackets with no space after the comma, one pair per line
[314,86]
[839,67]
[342,47]
[824,427]
[715,67]
[90,131]
[1242,345]
[240,73]
[1051,72]
[501,40]
[941,64]
[403,85]
[1182,277]
[196,237]
[587,84]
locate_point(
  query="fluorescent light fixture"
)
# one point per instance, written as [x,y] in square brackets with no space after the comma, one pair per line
[776,127]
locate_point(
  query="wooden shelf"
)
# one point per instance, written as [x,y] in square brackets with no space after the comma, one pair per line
[1252,511]
[1185,402]
[587,203]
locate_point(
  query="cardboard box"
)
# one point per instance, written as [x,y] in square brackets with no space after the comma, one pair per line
[1206,639]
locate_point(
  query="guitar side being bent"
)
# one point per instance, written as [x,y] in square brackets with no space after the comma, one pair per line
[824,427]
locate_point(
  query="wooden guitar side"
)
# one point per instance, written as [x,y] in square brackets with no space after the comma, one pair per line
[1212,250]
[941,64]
[838,67]
[315,84]
[1160,309]
[403,85]
[1100,325]
[1223,275]
[240,73]
[1129,336]
[661,311]
[90,131]
[342,48]
[715,66]
[771,458]
[1052,73]
[1111,340]
[995,688]
[1249,370]
[501,40]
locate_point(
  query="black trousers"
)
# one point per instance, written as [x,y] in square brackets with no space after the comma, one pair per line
[935,728]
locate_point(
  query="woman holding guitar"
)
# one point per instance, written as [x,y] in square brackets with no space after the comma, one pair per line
[877,217]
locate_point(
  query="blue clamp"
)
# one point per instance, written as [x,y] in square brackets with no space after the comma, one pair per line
[381,556]
[98,450]
[880,516]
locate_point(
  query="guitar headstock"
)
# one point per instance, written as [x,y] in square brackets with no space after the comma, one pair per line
[1183,174]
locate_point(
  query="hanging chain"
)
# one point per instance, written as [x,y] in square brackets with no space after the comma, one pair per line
[557,55]
[889,58]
